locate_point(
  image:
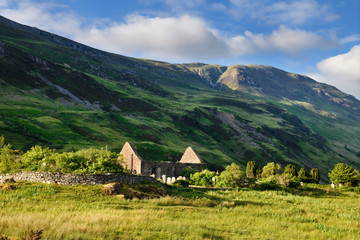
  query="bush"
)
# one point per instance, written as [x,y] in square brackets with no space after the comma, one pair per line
[7,162]
[203,178]
[181,183]
[268,184]
[33,159]
[83,161]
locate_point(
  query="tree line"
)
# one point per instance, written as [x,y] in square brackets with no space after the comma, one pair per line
[268,176]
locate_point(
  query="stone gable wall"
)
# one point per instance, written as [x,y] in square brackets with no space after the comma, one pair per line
[75,179]
[131,160]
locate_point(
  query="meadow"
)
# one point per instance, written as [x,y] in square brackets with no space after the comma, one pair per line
[30,210]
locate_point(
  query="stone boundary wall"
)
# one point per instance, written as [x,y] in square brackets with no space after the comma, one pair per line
[76,179]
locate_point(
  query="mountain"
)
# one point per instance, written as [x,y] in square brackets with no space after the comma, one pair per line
[62,94]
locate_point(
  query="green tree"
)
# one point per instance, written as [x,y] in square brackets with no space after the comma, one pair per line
[6,161]
[232,176]
[251,169]
[343,173]
[315,175]
[302,175]
[203,178]
[271,169]
[290,171]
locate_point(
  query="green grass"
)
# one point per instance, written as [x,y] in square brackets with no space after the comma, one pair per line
[84,212]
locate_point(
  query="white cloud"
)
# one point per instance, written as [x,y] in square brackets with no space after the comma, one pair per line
[283,39]
[281,12]
[41,15]
[342,71]
[183,38]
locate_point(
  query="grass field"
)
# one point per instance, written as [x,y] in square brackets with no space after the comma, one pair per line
[85,212]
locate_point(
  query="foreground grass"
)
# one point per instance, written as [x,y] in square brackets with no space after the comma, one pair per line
[84,212]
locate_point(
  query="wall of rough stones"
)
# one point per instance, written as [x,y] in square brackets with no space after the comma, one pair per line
[170,169]
[75,179]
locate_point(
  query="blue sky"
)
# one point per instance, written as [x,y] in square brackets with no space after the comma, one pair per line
[317,38]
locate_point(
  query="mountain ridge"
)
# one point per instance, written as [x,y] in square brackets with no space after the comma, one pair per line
[57,95]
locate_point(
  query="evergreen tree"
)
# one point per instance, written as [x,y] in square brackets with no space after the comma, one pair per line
[343,173]
[315,175]
[302,175]
[251,168]
[290,171]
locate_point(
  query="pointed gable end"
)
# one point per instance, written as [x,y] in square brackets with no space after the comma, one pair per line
[132,160]
[190,156]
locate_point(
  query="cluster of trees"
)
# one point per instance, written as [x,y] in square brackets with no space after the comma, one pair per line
[44,159]
[268,176]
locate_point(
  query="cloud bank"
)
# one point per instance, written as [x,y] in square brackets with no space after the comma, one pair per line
[342,71]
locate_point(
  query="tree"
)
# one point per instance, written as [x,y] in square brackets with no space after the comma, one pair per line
[343,173]
[302,175]
[203,178]
[290,171]
[232,176]
[270,169]
[251,169]
[315,175]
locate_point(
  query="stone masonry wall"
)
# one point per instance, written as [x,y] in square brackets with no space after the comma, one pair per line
[132,160]
[75,179]
[170,169]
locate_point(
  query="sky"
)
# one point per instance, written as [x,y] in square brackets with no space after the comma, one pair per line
[317,38]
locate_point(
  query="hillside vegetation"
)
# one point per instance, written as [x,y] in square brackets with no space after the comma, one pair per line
[61,94]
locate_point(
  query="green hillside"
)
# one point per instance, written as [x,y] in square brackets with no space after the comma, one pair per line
[61,94]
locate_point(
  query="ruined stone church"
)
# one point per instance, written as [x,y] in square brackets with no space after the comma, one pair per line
[133,162]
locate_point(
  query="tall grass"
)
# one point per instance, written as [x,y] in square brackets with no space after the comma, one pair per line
[84,212]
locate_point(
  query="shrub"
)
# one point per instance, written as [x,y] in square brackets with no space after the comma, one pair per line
[7,162]
[181,183]
[233,176]
[203,178]
[343,173]
[268,184]
[32,159]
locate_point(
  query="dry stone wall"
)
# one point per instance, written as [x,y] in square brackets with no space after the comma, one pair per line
[75,179]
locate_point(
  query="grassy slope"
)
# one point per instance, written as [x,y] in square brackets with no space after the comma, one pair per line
[181,111]
[83,212]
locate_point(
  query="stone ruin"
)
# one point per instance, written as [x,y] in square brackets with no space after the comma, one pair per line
[168,172]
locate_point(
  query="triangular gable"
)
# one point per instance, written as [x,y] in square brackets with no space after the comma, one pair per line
[128,149]
[132,161]
[190,156]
